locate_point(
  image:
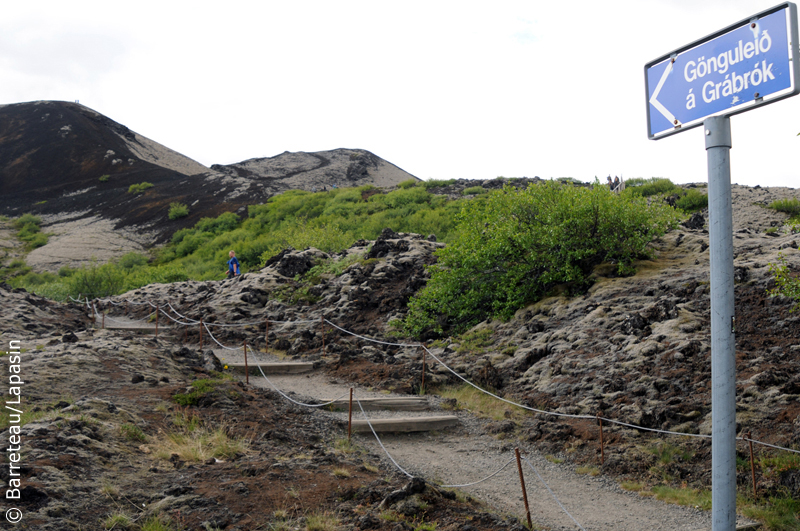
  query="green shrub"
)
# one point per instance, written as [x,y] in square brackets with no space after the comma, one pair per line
[29,231]
[131,260]
[653,186]
[27,219]
[474,190]
[139,188]
[178,210]
[515,246]
[786,283]
[97,280]
[36,240]
[225,222]
[408,183]
[433,183]
[787,206]
[693,201]
[104,178]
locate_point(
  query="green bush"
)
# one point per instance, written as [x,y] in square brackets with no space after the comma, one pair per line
[27,219]
[693,201]
[29,231]
[649,187]
[104,178]
[787,284]
[408,183]
[515,246]
[433,183]
[787,206]
[178,210]
[139,188]
[97,280]
[474,190]
[131,260]
[225,222]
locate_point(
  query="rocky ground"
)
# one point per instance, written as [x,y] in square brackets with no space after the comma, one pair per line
[633,349]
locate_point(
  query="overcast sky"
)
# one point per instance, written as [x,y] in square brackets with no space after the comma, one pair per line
[442,89]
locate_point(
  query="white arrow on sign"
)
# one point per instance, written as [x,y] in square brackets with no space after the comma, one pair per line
[654,101]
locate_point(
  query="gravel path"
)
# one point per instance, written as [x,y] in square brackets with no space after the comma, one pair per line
[465,454]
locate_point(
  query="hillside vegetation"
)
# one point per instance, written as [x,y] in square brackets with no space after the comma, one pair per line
[515,246]
[571,228]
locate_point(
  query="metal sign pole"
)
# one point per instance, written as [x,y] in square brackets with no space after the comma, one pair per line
[723,348]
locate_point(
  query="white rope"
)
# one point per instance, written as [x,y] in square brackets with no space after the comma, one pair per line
[310,321]
[215,339]
[167,315]
[634,426]
[551,493]
[379,440]
[767,444]
[481,480]
[370,339]
[503,399]
[180,315]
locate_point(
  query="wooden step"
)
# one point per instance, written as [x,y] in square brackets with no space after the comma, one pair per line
[140,329]
[410,403]
[295,367]
[404,425]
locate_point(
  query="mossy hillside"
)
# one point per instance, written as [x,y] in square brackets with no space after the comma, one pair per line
[331,221]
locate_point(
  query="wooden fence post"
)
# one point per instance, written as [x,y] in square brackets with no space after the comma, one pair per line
[246,368]
[524,492]
[322,328]
[424,360]
[350,418]
[752,464]
[602,451]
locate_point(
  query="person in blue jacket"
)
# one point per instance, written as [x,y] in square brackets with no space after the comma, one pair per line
[233,266]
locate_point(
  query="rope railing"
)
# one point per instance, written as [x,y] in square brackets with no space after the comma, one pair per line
[551,492]
[487,478]
[364,413]
[472,384]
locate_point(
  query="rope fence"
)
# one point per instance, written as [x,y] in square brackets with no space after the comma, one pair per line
[187,321]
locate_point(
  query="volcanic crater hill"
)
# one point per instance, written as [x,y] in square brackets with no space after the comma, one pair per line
[73,166]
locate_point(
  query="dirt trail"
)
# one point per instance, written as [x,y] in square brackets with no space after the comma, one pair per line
[465,454]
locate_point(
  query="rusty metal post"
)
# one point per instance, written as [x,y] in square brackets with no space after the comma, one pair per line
[424,360]
[126,307]
[246,368]
[322,327]
[752,464]
[350,418]
[524,492]
[602,451]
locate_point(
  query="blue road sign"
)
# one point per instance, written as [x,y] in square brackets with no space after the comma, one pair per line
[733,70]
